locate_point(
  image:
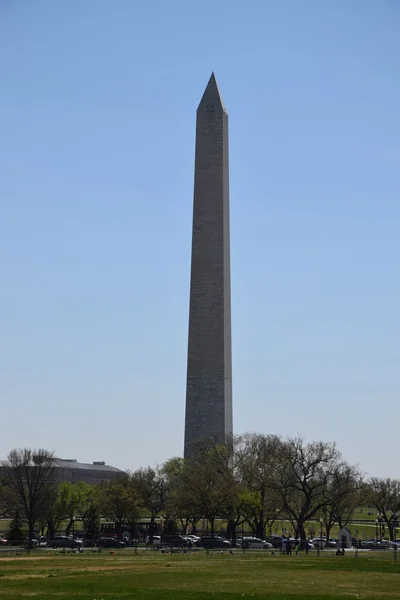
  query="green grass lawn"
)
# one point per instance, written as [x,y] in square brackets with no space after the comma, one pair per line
[198,576]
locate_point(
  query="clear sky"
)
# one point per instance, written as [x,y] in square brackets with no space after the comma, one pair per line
[97,125]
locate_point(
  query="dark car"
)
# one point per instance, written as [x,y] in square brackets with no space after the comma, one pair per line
[110,542]
[177,541]
[275,540]
[64,541]
[213,541]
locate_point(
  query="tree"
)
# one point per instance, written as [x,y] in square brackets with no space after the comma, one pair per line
[71,501]
[257,459]
[16,532]
[384,495]
[180,503]
[119,501]
[151,491]
[222,459]
[29,482]
[209,484]
[301,478]
[92,523]
[342,495]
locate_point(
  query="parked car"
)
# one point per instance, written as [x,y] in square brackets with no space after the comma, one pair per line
[257,543]
[64,541]
[3,541]
[194,538]
[213,541]
[275,540]
[109,542]
[154,541]
[177,541]
[324,542]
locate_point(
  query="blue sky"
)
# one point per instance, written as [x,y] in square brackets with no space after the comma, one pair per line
[97,121]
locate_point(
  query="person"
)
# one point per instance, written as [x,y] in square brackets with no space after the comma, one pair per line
[288,547]
[283,544]
[307,547]
[296,547]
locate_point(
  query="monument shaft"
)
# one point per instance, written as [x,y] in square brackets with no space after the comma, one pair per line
[209,366]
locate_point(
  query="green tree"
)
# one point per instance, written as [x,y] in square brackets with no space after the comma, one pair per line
[150,486]
[257,458]
[208,482]
[92,523]
[119,502]
[16,531]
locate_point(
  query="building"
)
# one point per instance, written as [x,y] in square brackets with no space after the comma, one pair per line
[209,363]
[73,471]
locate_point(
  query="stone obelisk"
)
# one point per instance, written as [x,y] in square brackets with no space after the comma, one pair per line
[209,365]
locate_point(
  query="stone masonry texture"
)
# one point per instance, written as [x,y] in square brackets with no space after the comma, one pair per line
[209,365]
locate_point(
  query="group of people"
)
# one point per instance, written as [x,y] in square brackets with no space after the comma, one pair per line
[287,546]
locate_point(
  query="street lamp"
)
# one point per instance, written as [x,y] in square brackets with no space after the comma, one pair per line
[376,529]
[320,523]
[73,527]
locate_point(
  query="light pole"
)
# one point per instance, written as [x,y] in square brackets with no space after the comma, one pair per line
[376,529]
[73,527]
[320,523]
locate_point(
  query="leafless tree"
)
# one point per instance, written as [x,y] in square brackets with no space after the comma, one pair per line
[301,478]
[342,495]
[29,483]
[384,495]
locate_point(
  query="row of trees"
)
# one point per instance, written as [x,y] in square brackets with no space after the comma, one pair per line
[254,479]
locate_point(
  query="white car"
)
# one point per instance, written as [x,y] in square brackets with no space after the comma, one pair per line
[156,540]
[194,538]
[256,543]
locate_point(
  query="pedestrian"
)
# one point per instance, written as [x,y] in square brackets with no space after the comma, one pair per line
[296,546]
[307,547]
[288,547]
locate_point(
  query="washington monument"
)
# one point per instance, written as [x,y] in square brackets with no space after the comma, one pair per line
[209,364]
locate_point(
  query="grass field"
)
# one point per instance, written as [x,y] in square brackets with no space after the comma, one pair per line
[198,576]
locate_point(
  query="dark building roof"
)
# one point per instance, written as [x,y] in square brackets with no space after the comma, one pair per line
[96,466]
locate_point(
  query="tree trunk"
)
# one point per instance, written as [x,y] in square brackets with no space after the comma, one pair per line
[152,528]
[260,526]
[301,530]
[184,523]
[328,530]
[50,529]
[212,524]
[261,517]
[231,530]
[68,527]
[31,527]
